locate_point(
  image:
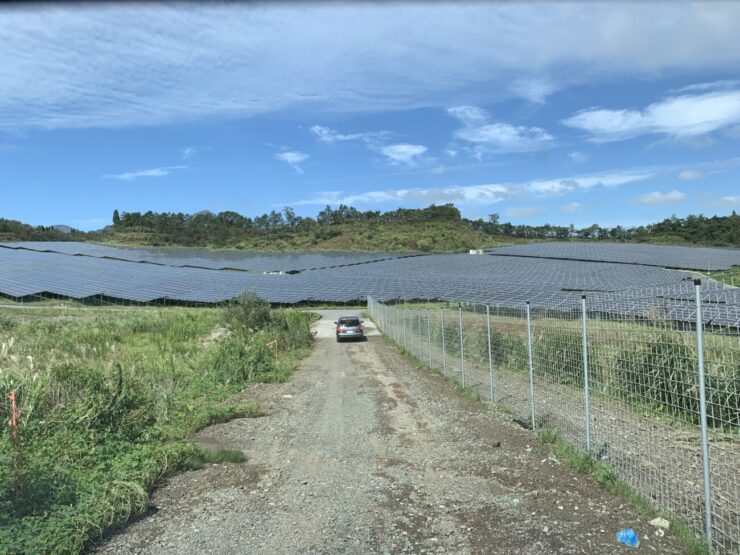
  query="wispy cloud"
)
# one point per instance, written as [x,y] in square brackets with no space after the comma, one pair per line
[690,175]
[403,153]
[153,172]
[731,200]
[293,158]
[157,64]
[481,194]
[496,137]
[710,86]
[679,117]
[566,185]
[656,197]
[186,153]
[328,135]
[577,156]
[536,90]
[572,208]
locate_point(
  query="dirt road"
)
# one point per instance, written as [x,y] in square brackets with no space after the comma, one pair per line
[364,453]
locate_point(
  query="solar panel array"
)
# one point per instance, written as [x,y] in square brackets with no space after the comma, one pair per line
[208,259]
[502,280]
[664,256]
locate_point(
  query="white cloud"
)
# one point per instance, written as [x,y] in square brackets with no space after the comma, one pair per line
[566,185]
[577,156]
[728,201]
[480,194]
[403,153]
[711,86]
[572,208]
[496,137]
[656,197]
[690,175]
[678,117]
[294,158]
[328,135]
[125,64]
[188,152]
[524,212]
[535,90]
[153,172]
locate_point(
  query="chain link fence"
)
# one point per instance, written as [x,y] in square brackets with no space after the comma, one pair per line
[653,397]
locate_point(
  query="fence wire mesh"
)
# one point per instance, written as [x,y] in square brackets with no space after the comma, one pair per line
[631,397]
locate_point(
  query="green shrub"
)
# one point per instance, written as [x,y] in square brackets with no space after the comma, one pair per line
[248,312]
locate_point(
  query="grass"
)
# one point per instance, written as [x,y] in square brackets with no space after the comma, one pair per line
[648,366]
[606,477]
[728,277]
[219,456]
[109,398]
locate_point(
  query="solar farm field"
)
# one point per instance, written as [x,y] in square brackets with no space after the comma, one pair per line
[622,278]
[640,339]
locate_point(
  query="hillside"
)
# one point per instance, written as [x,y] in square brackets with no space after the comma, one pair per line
[431,229]
[361,236]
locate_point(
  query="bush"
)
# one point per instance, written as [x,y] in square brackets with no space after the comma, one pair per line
[248,312]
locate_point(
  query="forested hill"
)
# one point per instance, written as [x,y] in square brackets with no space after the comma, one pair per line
[13,230]
[431,229]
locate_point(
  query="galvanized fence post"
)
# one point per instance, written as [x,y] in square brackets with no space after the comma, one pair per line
[419,330]
[429,335]
[444,349]
[703,415]
[462,348]
[531,364]
[586,404]
[404,323]
[490,354]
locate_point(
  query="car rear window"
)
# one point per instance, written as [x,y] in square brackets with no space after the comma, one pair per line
[349,321]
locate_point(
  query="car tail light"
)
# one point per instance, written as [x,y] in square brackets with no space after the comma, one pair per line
[360,329]
[339,329]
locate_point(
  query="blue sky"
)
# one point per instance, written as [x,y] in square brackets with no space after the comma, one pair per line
[608,113]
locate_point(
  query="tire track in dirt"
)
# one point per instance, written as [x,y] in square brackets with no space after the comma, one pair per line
[364,453]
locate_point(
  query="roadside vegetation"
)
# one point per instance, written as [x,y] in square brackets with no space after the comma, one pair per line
[106,399]
[430,229]
[647,366]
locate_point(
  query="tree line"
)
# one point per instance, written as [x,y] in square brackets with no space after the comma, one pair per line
[228,228]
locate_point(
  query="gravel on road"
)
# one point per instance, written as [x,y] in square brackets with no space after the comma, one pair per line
[363,452]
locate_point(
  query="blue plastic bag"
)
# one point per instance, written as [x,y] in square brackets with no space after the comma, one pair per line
[628,537]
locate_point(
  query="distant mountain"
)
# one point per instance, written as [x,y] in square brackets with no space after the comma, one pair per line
[63,228]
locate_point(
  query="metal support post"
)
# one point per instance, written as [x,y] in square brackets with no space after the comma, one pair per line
[490,354]
[586,404]
[419,329]
[462,348]
[404,324]
[531,364]
[703,414]
[429,336]
[444,350]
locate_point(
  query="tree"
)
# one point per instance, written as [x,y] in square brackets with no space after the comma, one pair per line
[116,217]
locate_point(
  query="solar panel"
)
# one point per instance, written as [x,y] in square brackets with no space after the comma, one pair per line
[665,256]
[501,280]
